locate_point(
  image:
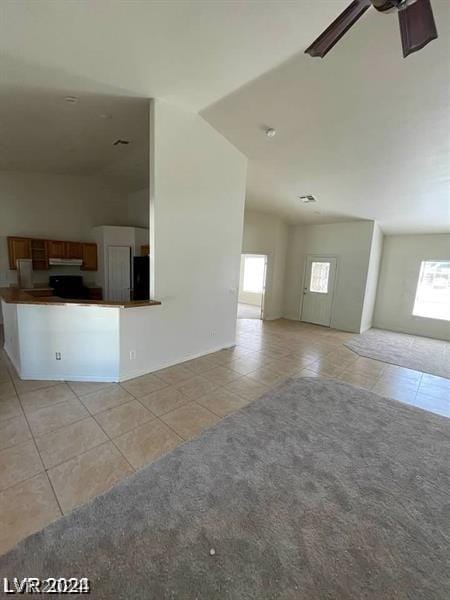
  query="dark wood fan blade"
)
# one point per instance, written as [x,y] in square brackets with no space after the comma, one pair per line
[338,28]
[417,26]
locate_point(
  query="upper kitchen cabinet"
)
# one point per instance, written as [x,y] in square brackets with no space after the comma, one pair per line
[56,249]
[42,251]
[18,248]
[89,257]
[73,250]
[39,254]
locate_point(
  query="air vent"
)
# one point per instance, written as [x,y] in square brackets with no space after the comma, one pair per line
[307,199]
[121,142]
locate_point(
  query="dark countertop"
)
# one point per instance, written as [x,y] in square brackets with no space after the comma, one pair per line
[14,295]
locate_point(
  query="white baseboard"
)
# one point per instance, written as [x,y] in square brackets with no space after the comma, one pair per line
[66,377]
[165,365]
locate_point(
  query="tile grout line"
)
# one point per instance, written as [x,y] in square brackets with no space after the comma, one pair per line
[39,454]
[107,435]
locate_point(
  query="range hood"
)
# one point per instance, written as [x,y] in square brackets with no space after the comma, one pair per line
[65,262]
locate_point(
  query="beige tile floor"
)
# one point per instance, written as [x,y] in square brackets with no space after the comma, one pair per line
[63,443]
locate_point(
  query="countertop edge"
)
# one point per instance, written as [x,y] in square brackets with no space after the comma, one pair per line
[17,296]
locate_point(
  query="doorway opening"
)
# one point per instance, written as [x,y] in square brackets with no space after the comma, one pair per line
[252,286]
[318,289]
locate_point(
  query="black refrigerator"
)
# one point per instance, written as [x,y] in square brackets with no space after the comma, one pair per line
[141,278]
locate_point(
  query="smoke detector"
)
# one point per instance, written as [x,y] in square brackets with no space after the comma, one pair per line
[309,199]
[270,132]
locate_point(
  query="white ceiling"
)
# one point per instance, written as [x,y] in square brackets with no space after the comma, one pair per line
[191,52]
[41,132]
[363,129]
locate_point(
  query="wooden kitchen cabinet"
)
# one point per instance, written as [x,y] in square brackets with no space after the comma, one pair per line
[41,251]
[73,250]
[18,247]
[39,254]
[89,257]
[56,249]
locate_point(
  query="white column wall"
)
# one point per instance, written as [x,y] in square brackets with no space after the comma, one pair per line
[197,192]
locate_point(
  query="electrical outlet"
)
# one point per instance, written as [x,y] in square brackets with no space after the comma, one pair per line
[213,333]
[132,354]
[58,355]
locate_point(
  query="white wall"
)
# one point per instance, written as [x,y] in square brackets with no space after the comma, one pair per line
[138,203]
[372,278]
[268,234]
[58,207]
[351,244]
[400,267]
[198,193]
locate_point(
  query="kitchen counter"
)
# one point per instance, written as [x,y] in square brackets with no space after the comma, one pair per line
[14,295]
[52,338]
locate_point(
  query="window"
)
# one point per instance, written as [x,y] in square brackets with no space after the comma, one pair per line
[433,290]
[253,274]
[320,274]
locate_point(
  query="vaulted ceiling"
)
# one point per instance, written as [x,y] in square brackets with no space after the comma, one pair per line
[364,130]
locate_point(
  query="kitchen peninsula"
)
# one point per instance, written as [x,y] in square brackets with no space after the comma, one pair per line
[50,338]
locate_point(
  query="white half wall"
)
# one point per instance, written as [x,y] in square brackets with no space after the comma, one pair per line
[268,234]
[400,267]
[11,332]
[372,278]
[197,209]
[351,244]
[87,338]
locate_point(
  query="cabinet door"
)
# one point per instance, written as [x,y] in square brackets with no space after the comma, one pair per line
[74,250]
[56,249]
[18,248]
[39,255]
[89,257]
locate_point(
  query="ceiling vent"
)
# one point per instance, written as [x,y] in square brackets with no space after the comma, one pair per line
[307,199]
[120,142]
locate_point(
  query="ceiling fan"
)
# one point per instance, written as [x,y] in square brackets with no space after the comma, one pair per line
[417,26]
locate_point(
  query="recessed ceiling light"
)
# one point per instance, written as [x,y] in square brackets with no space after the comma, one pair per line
[71,99]
[308,199]
[105,116]
[270,132]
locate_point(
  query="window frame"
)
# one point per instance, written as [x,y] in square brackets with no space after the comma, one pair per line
[422,264]
[264,258]
[319,262]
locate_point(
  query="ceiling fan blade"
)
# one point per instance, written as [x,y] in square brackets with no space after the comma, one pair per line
[332,34]
[417,26]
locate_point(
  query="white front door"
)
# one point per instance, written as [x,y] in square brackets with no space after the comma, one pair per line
[119,273]
[320,273]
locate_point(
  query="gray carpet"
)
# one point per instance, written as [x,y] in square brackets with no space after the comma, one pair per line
[316,491]
[410,351]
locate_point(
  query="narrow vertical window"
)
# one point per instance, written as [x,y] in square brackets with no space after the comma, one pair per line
[320,275]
